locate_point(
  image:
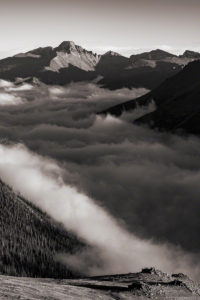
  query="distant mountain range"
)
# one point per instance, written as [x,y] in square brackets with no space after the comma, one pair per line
[69,62]
[30,239]
[177,102]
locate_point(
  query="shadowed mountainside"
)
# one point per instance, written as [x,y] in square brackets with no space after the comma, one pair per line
[177,103]
[30,239]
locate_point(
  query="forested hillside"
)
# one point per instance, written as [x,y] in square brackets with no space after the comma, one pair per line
[30,239]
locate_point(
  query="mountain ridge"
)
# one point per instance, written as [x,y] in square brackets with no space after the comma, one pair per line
[69,62]
[66,45]
[177,103]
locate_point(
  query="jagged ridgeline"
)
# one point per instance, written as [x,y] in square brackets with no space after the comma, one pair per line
[30,239]
[71,63]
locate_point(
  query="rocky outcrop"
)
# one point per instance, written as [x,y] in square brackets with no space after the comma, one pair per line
[147,284]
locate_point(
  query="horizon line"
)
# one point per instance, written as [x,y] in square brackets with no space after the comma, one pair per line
[100,50]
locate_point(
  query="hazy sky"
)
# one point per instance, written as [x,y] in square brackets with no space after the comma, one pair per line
[126,26]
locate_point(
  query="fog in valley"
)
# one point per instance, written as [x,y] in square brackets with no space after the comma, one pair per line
[130,192]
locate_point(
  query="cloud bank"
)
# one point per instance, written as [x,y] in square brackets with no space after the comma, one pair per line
[7,98]
[145,182]
[40,180]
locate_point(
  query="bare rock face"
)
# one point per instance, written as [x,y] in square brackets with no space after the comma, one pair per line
[147,284]
[68,53]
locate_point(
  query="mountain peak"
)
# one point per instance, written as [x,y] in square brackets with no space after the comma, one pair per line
[191,54]
[156,54]
[111,53]
[67,46]
[68,53]
[159,54]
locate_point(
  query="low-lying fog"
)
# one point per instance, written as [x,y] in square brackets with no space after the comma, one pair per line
[130,192]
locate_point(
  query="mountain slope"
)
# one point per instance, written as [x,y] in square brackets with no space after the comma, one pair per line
[30,239]
[177,101]
[69,62]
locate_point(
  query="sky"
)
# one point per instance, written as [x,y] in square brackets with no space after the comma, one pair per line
[128,26]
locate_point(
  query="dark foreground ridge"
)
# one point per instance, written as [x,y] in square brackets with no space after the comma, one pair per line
[147,284]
